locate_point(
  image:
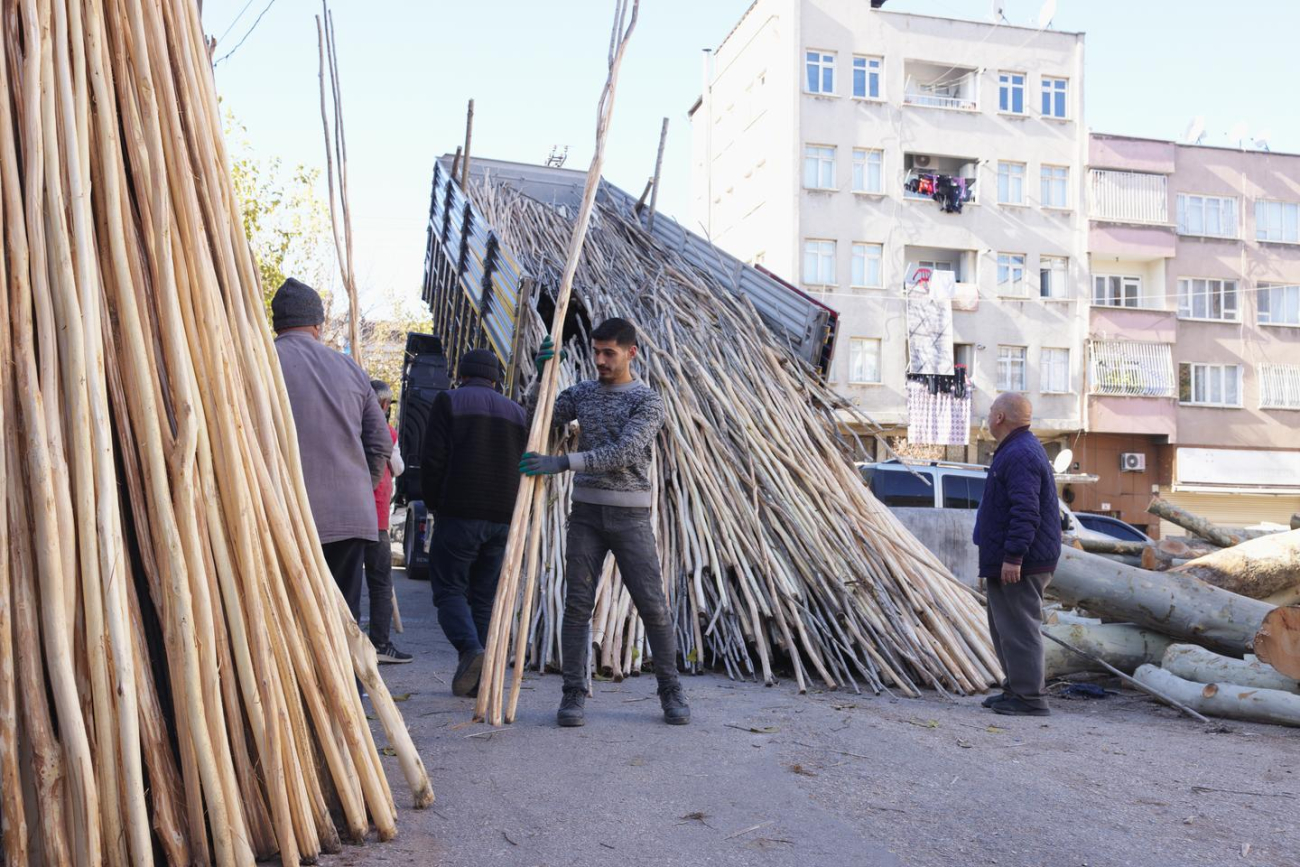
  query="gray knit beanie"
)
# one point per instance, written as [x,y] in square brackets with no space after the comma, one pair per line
[296,304]
[479,364]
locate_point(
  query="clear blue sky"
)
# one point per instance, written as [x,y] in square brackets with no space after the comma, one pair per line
[535,70]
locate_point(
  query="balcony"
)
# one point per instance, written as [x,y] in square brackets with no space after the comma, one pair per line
[939,85]
[1125,368]
[1128,197]
[915,166]
[961,264]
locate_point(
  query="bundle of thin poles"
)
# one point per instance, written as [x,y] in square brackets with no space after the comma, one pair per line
[769,539]
[177,669]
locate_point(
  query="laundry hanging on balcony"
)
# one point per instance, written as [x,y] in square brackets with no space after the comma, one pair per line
[929,324]
[949,191]
[938,408]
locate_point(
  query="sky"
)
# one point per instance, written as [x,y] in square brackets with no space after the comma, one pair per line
[535,70]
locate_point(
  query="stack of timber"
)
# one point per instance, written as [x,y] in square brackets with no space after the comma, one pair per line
[177,669]
[769,540]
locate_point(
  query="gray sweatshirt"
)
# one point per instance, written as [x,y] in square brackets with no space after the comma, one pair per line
[618,424]
[342,434]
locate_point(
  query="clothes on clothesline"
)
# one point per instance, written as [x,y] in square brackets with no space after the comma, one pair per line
[949,191]
[938,409]
[929,335]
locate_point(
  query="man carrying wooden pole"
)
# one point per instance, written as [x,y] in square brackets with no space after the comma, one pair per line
[619,417]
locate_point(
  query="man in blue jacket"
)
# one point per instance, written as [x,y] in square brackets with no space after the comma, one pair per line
[1018,531]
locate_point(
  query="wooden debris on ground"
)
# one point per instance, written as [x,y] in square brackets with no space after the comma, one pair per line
[177,668]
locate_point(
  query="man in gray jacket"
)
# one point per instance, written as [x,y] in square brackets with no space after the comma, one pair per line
[342,434]
[619,417]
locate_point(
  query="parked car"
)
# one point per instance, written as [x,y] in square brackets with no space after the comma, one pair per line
[1112,527]
[944,485]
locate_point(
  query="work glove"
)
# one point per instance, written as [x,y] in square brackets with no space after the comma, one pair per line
[545,353]
[533,464]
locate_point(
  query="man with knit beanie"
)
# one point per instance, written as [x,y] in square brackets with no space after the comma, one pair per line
[342,435]
[469,476]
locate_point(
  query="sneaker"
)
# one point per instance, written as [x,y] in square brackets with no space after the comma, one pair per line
[571,708]
[1013,706]
[676,711]
[991,700]
[389,654]
[468,672]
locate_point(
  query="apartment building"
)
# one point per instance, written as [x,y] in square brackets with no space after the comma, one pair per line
[814,116]
[1193,331]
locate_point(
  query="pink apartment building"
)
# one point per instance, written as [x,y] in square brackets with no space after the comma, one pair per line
[1193,357]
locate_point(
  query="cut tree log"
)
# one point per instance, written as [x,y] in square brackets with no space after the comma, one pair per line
[1277,641]
[1177,605]
[1226,700]
[1289,596]
[1123,645]
[1195,663]
[1112,546]
[1195,523]
[1258,568]
[1156,559]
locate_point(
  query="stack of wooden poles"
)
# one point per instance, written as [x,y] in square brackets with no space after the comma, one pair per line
[768,537]
[177,669]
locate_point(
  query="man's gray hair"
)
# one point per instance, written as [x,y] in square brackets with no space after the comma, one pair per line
[383,391]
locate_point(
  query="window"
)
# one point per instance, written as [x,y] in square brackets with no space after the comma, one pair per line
[1056,187]
[1209,384]
[821,72]
[1011,92]
[1128,368]
[1054,91]
[1053,277]
[1116,291]
[866,265]
[1011,183]
[963,355]
[1279,386]
[1277,221]
[1011,368]
[1279,305]
[1011,273]
[901,488]
[866,77]
[1208,299]
[962,492]
[1207,215]
[867,171]
[819,263]
[864,360]
[818,167]
[1055,371]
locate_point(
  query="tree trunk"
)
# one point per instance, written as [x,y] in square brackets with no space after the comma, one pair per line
[1225,699]
[1157,559]
[1205,666]
[1278,641]
[1196,524]
[1123,645]
[1258,568]
[1177,605]
[1112,546]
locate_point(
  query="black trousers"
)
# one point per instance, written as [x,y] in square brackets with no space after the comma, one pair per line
[379,586]
[346,558]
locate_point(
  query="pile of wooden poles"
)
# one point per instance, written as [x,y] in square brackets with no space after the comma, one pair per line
[769,539]
[177,669]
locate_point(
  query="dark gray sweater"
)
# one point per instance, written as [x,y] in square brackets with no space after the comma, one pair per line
[618,424]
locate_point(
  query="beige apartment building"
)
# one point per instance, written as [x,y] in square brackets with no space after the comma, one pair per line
[813,117]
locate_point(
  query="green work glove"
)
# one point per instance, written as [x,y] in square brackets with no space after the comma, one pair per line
[545,353]
[533,464]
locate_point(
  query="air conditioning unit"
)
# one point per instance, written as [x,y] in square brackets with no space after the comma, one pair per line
[1132,462]
[921,161]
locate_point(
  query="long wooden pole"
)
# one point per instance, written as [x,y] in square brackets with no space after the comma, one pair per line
[654,187]
[490,704]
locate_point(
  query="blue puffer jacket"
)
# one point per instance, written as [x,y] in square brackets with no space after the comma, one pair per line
[1019,519]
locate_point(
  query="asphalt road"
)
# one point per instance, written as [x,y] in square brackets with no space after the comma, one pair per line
[765,776]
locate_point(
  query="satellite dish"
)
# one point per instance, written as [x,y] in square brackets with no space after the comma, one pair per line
[1063,461]
[1238,133]
[1261,140]
[1046,14]
[1195,130]
[997,11]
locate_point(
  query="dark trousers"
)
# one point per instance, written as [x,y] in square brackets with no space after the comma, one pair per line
[1015,616]
[594,531]
[464,564]
[345,558]
[379,586]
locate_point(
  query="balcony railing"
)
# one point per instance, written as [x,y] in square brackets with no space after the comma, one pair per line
[936,101]
[1279,386]
[1127,368]
[1129,197]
